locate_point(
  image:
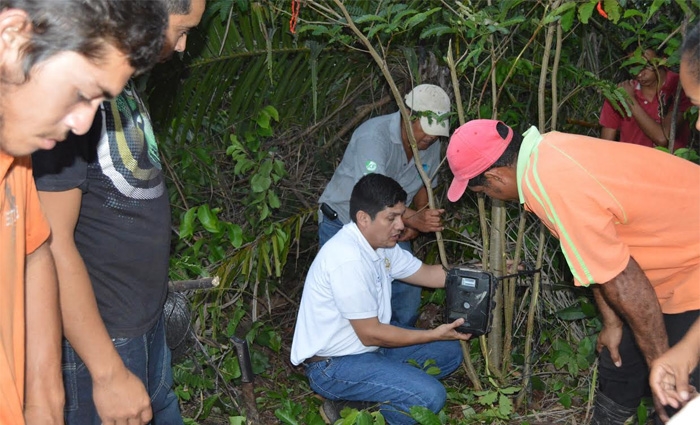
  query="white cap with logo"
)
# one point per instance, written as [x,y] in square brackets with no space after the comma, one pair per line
[429,97]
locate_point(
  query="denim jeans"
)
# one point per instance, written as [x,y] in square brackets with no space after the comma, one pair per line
[146,356]
[386,377]
[405,298]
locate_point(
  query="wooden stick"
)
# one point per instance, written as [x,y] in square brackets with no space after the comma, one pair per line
[186,285]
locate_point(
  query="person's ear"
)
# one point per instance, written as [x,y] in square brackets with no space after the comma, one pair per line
[494,175]
[500,175]
[363,219]
[15,32]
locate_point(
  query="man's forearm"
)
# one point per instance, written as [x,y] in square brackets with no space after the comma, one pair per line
[44,383]
[658,133]
[82,323]
[631,295]
[610,318]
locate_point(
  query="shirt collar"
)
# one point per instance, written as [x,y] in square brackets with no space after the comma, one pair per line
[5,163]
[362,241]
[531,138]
[395,127]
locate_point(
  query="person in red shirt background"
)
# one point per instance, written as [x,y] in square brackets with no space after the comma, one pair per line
[653,91]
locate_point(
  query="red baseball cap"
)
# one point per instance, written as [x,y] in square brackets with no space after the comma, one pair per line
[473,148]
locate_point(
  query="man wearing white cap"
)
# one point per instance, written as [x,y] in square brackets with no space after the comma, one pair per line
[381,145]
[623,229]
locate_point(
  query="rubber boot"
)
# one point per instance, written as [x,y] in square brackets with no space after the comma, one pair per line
[607,412]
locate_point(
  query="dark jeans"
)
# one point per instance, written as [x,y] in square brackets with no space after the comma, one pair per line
[146,356]
[405,298]
[628,384]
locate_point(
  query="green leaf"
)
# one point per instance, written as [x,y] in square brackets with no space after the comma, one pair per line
[272,112]
[655,6]
[235,235]
[589,309]
[260,183]
[586,346]
[537,383]
[236,420]
[286,417]
[424,416]
[586,10]
[420,17]
[510,390]
[208,219]
[378,418]
[629,13]
[564,8]
[369,18]
[572,312]
[187,223]
[561,361]
[613,10]
[273,200]
[488,399]
[642,413]
[582,362]
[349,416]
[433,371]
[231,367]
[263,119]
[436,30]
[505,406]
[565,400]
[375,29]
[567,19]
[363,418]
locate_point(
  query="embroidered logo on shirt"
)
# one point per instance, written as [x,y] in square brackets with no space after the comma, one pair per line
[371,166]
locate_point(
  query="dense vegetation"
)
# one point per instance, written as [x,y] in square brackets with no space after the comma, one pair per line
[254,118]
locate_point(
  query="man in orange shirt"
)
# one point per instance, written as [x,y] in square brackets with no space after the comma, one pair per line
[623,229]
[53,80]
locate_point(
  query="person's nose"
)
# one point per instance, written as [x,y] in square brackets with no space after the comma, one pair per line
[181,43]
[399,223]
[79,120]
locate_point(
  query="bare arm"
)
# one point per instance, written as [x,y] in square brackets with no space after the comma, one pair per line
[611,334]
[374,333]
[631,295]
[44,396]
[428,276]
[669,373]
[118,394]
[608,133]
[422,218]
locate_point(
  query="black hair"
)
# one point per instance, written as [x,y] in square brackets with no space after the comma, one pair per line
[690,51]
[134,27]
[178,7]
[506,159]
[373,193]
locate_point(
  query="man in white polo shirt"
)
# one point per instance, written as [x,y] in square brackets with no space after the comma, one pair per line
[343,333]
[381,145]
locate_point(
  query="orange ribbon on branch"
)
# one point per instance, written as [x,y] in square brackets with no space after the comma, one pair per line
[295,16]
[600,10]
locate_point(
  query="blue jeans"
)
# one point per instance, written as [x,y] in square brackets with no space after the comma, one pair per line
[386,377]
[405,298]
[146,356]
